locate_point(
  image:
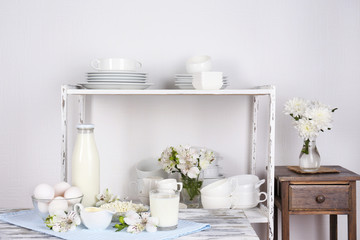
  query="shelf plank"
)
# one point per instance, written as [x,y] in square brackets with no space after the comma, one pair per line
[257,91]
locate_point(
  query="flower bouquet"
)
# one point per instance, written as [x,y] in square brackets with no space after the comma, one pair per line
[189,162]
[310,118]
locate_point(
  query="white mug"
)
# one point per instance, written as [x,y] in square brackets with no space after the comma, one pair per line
[115,64]
[94,218]
[169,184]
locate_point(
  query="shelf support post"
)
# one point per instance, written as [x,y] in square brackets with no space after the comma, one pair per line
[254,133]
[271,165]
[64,103]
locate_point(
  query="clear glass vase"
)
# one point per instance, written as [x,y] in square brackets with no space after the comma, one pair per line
[309,158]
[191,191]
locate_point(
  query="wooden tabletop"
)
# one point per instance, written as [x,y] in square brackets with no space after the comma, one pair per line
[225,224]
[283,174]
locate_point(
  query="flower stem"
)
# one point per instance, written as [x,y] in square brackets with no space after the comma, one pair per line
[305,148]
[192,186]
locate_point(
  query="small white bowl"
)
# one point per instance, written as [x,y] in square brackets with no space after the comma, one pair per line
[219,188]
[198,64]
[210,202]
[149,168]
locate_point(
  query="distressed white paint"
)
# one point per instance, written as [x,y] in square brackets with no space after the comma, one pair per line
[254,134]
[264,90]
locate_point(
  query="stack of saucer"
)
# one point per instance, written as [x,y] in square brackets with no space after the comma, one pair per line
[117,80]
[184,81]
[116,73]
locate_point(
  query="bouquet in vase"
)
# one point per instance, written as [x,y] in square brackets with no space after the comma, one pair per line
[189,162]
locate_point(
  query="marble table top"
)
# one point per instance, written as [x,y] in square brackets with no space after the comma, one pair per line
[225,224]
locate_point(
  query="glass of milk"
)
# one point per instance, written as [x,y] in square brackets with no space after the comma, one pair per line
[165,206]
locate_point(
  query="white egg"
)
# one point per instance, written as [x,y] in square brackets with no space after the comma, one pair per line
[58,204]
[73,192]
[43,207]
[60,188]
[44,191]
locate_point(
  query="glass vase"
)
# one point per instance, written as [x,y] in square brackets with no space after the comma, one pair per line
[191,191]
[309,158]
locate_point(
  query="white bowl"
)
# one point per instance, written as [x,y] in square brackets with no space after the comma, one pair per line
[219,188]
[245,183]
[210,202]
[198,64]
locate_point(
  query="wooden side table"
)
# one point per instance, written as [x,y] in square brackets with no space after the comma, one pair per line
[330,193]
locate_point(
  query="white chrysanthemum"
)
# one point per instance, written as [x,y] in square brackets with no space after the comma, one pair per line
[307,129]
[296,107]
[321,116]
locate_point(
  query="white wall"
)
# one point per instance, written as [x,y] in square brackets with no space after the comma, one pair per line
[306,48]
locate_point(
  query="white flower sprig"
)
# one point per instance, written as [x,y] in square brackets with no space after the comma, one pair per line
[62,222]
[186,160]
[106,197]
[137,222]
[310,118]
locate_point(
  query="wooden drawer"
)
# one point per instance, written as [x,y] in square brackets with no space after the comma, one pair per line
[321,197]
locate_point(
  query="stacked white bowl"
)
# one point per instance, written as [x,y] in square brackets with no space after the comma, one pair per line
[246,191]
[216,195]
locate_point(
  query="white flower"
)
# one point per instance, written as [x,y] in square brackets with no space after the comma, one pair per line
[307,129]
[320,115]
[193,172]
[296,107]
[106,197]
[206,157]
[136,228]
[132,218]
[63,222]
[139,222]
[151,224]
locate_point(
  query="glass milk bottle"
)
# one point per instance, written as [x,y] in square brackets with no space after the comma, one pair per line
[86,164]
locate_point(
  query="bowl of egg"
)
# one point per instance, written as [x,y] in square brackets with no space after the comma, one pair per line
[62,197]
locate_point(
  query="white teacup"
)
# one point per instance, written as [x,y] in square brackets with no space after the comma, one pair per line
[246,200]
[169,184]
[149,168]
[198,64]
[145,185]
[94,218]
[115,64]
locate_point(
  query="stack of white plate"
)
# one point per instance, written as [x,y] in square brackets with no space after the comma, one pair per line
[116,80]
[184,81]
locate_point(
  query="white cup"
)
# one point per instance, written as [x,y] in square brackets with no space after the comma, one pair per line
[168,185]
[115,64]
[198,64]
[94,218]
[145,185]
[207,80]
[149,168]
[246,200]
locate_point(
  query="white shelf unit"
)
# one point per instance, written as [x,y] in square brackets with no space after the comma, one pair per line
[262,214]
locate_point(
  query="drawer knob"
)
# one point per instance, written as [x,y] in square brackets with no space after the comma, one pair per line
[320,199]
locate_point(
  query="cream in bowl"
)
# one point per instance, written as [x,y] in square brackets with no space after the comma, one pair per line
[94,218]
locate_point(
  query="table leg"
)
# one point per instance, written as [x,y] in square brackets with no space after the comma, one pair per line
[275,223]
[333,227]
[352,214]
[285,211]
